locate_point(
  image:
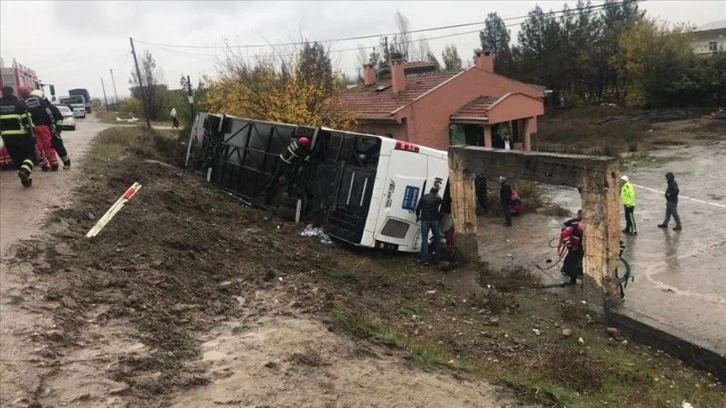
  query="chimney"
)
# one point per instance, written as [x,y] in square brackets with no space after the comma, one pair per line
[484,60]
[398,77]
[369,74]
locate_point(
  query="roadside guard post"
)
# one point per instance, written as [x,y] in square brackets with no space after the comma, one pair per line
[115,208]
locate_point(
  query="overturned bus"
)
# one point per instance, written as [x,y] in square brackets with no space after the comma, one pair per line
[363,188]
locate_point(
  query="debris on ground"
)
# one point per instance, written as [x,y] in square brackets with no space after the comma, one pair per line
[311,231]
[720,113]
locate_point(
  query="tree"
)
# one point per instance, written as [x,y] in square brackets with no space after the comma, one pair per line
[430,57]
[656,57]
[360,60]
[421,51]
[256,89]
[450,57]
[402,41]
[154,89]
[496,37]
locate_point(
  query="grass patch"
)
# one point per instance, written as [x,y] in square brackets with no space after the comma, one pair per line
[162,145]
[580,135]
[362,327]
[638,160]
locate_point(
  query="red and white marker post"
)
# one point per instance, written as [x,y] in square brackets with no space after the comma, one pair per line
[115,208]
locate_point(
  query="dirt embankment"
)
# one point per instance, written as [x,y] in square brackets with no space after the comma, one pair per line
[190,298]
[139,310]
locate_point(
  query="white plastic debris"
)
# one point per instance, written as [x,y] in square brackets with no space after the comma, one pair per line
[686,404]
[431,292]
[310,231]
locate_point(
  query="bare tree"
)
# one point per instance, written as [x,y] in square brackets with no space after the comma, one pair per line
[402,41]
[421,51]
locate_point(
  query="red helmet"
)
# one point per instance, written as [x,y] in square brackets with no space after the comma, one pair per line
[304,141]
[23,90]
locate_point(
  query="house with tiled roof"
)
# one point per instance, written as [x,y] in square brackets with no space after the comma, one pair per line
[437,109]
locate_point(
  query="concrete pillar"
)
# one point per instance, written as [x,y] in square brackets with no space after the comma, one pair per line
[601,216]
[526,135]
[463,208]
[487,135]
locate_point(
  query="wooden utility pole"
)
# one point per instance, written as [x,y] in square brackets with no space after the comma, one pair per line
[144,101]
[104,94]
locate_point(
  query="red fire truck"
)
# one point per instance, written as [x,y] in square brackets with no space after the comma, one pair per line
[15,76]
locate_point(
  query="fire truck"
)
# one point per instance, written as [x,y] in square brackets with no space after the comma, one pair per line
[15,76]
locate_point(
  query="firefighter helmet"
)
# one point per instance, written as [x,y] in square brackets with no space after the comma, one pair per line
[304,141]
[23,90]
[38,93]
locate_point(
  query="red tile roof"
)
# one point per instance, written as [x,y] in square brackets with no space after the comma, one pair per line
[478,107]
[369,103]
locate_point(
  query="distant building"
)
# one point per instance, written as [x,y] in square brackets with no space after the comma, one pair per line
[709,41]
[475,106]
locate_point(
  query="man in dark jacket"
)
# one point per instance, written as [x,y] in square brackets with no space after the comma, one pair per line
[505,194]
[671,196]
[16,130]
[427,211]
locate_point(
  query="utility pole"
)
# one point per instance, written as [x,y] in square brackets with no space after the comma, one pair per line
[113,81]
[141,85]
[104,94]
[191,98]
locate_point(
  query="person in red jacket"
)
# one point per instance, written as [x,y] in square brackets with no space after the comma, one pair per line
[43,120]
[571,238]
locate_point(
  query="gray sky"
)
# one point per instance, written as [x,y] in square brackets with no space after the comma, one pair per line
[74,44]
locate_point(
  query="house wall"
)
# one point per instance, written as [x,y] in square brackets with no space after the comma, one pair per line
[429,117]
[384,129]
[515,107]
[701,44]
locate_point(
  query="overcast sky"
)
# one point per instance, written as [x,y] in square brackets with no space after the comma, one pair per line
[75,44]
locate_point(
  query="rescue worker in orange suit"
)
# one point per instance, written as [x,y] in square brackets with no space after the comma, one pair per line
[16,131]
[289,160]
[55,128]
[42,121]
[571,237]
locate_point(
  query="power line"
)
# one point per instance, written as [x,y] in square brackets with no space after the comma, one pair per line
[363,37]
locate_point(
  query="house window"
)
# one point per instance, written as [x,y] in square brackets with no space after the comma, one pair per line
[713,46]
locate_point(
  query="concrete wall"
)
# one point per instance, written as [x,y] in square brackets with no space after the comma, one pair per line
[598,177]
[429,117]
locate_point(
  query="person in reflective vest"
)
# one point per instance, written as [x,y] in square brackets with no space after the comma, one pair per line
[289,158]
[16,130]
[43,120]
[627,198]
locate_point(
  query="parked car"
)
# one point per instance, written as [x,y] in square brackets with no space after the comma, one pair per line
[69,121]
[76,103]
